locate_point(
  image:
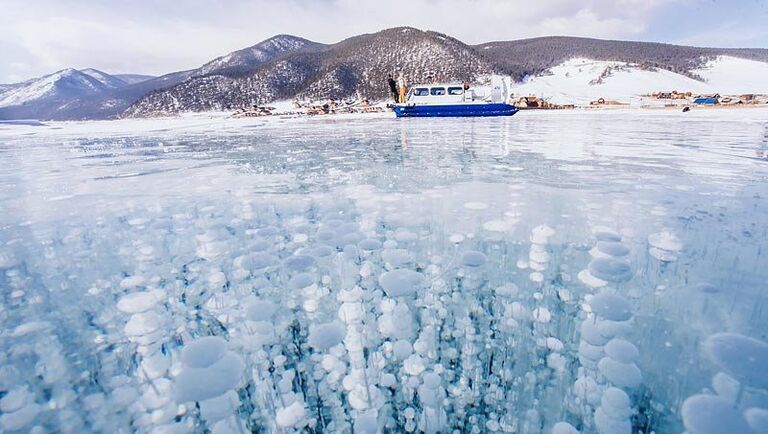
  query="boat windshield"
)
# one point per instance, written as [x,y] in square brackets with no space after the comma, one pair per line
[438,91]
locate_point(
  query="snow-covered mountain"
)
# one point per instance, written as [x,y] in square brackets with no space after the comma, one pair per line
[262,52]
[102,95]
[110,81]
[134,78]
[358,65]
[79,94]
[579,80]
[733,75]
[59,86]
[528,57]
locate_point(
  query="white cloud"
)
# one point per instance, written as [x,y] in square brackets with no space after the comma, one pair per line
[158,36]
[727,34]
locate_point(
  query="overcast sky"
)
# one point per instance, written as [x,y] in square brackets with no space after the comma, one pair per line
[159,36]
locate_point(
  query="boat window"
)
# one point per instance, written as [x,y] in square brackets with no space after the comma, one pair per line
[420,91]
[438,91]
[455,90]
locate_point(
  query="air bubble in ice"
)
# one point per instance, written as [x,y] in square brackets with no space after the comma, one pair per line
[602,233]
[473,258]
[31,327]
[324,336]
[132,282]
[610,269]
[137,302]
[402,349]
[497,226]
[622,351]
[369,244]
[615,402]
[15,399]
[203,352]
[142,324]
[199,384]
[396,257]
[476,206]
[611,306]
[20,418]
[432,380]
[588,279]
[612,248]
[291,415]
[301,281]
[299,263]
[757,418]
[322,251]
[710,414]
[620,374]
[540,234]
[564,428]
[267,231]
[260,310]
[366,424]
[400,282]
[507,290]
[743,358]
[664,246]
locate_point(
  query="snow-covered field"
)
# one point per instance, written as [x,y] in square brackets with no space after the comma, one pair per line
[577,81]
[553,272]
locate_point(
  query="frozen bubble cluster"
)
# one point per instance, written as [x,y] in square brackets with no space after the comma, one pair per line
[545,275]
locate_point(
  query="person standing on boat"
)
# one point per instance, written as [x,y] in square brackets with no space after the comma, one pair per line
[392,87]
[402,87]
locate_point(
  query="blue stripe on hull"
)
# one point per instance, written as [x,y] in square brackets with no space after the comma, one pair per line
[462,110]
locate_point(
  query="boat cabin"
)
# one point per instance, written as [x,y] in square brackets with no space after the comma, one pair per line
[451,94]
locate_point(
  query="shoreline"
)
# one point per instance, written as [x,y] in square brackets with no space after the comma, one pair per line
[220,118]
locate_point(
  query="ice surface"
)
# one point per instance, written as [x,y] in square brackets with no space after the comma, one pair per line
[554,272]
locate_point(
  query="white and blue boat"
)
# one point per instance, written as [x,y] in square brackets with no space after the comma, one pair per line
[442,100]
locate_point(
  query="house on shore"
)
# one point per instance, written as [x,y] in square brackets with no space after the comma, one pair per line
[671,95]
[528,102]
[748,98]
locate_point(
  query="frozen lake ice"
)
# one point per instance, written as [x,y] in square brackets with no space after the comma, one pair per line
[583,271]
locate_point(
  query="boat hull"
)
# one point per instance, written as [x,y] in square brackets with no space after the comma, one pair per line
[457,110]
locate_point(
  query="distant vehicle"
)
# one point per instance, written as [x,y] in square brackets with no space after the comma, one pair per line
[442,100]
